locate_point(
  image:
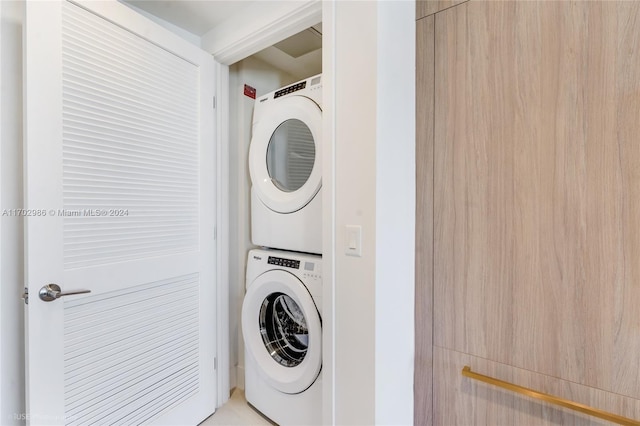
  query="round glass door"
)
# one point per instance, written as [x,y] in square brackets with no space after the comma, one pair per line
[285,153]
[283,329]
[291,154]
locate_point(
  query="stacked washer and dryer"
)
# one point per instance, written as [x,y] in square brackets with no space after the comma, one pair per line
[281,312]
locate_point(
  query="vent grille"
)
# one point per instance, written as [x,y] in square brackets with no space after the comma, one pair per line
[131,354]
[130,145]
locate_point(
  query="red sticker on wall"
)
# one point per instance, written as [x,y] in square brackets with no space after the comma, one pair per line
[249,91]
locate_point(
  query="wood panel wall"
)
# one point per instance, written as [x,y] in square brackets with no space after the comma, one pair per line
[537,181]
[528,189]
[429,7]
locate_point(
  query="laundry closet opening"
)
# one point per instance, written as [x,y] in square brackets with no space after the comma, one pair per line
[281,65]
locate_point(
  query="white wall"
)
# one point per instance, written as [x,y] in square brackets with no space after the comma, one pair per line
[369,177]
[191,38]
[395,213]
[264,78]
[11,228]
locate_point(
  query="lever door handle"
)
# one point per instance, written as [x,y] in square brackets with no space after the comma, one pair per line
[51,292]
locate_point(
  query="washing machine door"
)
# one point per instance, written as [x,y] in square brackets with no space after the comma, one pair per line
[282,331]
[284,155]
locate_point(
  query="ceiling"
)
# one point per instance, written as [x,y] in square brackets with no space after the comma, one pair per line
[300,55]
[195,16]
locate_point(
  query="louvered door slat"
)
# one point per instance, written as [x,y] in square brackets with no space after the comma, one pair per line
[108,366]
[102,81]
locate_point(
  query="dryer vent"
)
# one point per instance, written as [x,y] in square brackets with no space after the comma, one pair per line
[302,43]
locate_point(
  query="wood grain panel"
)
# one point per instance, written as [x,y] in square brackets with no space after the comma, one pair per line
[424,221]
[429,7]
[462,401]
[537,180]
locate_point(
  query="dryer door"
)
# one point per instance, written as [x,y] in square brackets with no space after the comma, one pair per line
[282,331]
[284,155]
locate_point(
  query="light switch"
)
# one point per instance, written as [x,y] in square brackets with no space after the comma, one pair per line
[353,242]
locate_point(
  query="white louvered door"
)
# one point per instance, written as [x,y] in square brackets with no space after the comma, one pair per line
[120,197]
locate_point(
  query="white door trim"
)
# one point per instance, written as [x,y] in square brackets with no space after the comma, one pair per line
[222,230]
[236,39]
[261,26]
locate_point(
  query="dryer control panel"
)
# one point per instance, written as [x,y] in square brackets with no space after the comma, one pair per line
[290,89]
[312,83]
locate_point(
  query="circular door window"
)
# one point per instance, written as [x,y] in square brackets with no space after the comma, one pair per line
[284,154]
[291,154]
[283,329]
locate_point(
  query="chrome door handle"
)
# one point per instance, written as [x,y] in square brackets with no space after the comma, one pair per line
[51,292]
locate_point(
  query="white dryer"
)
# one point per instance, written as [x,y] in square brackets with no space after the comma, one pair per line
[282,331]
[285,168]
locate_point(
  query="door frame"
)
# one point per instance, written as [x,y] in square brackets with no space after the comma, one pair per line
[242,38]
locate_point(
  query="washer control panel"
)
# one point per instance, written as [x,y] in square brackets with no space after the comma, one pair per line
[280,261]
[307,268]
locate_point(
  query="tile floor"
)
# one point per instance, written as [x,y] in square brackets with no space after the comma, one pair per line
[236,412]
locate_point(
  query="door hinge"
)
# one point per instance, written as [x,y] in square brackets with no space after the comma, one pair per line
[215,364]
[215,233]
[214,102]
[25,295]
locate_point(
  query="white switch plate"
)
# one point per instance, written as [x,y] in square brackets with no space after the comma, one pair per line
[353,241]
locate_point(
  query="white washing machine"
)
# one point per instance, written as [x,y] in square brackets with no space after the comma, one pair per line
[285,168]
[282,331]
